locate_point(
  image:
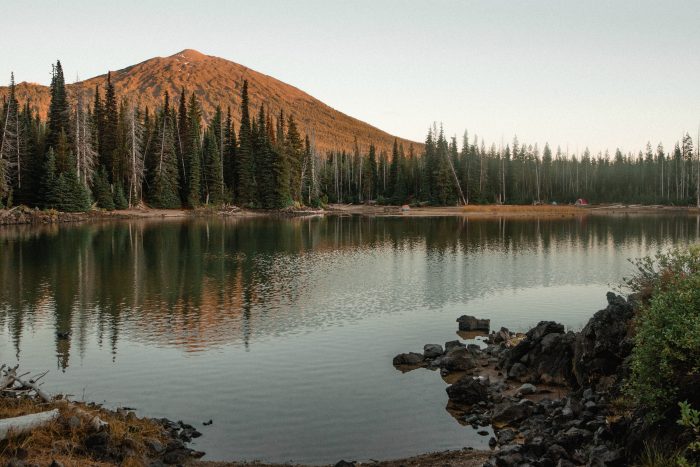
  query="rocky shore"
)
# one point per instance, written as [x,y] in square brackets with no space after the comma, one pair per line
[549,395]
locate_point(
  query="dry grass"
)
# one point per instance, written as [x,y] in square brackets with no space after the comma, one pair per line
[65,443]
[522,209]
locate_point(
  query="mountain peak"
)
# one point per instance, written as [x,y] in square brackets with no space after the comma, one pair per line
[189,54]
[217,83]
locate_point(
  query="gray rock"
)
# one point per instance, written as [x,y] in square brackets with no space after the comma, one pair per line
[459,359]
[411,358]
[506,413]
[603,343]
[517,370]
[527,388]
[432,350]
[453,345]
[154,446]
[468,391]
[470,323]
[556,452]
[602,456]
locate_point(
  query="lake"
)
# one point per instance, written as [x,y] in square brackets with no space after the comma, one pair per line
[282,331]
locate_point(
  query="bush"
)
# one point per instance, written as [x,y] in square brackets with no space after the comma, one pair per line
[666,357]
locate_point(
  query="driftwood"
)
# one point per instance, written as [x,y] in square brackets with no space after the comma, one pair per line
[31,384]
[26,423]
[7,380]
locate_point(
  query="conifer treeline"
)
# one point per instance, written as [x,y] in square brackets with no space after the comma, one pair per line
[117,155]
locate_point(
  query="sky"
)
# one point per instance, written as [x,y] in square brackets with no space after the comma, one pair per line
[602,74]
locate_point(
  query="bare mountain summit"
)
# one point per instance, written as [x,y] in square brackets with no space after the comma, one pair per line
[217,81]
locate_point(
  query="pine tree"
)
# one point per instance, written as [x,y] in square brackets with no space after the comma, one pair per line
[193,153]
[294,154]
[59,111]
[48,180]
[264,178]
[183,144]
[12,147]
[120,201]
[101,191]
[214,168]
[164,185]
[108,142]
[229,157]
[245,184]
[212,151]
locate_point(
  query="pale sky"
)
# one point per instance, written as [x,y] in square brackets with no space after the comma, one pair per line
[601,74]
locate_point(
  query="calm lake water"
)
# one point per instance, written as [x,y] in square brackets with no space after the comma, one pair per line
[283,331]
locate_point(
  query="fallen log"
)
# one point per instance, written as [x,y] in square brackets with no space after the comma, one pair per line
[35,387]
[25,423]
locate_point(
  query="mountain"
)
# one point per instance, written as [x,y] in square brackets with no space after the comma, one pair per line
[217,81]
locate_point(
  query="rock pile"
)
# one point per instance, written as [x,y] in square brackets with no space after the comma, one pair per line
[546,394]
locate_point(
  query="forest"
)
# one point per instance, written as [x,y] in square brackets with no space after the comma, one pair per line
[111,154]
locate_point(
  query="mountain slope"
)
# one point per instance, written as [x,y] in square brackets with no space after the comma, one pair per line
[217,81]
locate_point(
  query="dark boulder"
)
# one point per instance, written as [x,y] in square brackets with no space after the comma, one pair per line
[459,359]
[432,350]
[605,342]
[545,355]
[469,391]
[449,345]
[508,413]
[411,358]
[470,323]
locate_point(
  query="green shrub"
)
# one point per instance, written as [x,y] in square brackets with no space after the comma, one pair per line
[690,419]
[666,356]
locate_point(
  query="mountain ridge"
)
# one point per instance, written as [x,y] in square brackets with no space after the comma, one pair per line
[218,81]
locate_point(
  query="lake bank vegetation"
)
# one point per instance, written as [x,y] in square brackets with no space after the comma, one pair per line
[622,391]
[112,154]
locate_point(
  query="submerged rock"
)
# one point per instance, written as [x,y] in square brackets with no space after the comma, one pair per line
[410,358]
[470,323]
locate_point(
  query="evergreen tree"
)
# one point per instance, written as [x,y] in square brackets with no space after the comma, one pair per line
[59,111]
[229,156]
[193,153]
[213,148]
[165,185]
[120,201]
[101,191]
[108,142]
[294,153]
[214,168]
[243,163]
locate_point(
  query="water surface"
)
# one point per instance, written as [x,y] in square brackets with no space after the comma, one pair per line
[282,331]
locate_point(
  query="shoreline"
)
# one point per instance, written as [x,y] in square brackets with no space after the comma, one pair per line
[22,215]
